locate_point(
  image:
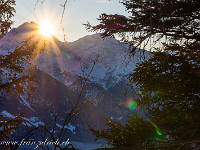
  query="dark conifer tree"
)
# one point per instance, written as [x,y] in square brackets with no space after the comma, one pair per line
[169,81]
[174,22]
[15,68]
[6,13]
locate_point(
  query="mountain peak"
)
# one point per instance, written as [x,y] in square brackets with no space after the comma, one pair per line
[25,27]
[96,36]
[15,36]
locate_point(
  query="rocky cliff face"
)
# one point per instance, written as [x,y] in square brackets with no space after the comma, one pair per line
[102,63]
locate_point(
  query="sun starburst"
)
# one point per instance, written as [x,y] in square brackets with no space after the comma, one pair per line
[46,28]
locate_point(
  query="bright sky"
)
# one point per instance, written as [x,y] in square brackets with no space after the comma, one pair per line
[77,12]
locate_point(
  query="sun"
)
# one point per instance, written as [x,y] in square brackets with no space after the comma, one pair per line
[46,28]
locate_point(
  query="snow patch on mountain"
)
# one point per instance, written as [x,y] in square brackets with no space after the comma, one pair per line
[69,126]
[27,122]
[24,101]
[7,114]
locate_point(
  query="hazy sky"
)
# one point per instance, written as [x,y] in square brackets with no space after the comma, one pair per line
[77,12]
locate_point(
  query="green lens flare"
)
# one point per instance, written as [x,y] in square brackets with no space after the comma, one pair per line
[132,105]
[159,133]
[68,57]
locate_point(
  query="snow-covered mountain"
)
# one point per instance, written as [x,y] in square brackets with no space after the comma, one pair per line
[111,57]
[103,61]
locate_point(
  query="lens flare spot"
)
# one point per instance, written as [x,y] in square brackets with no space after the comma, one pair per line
[132,105]
[158,132]
[68,56]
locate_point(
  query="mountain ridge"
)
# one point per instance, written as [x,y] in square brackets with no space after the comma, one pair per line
[73,57]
